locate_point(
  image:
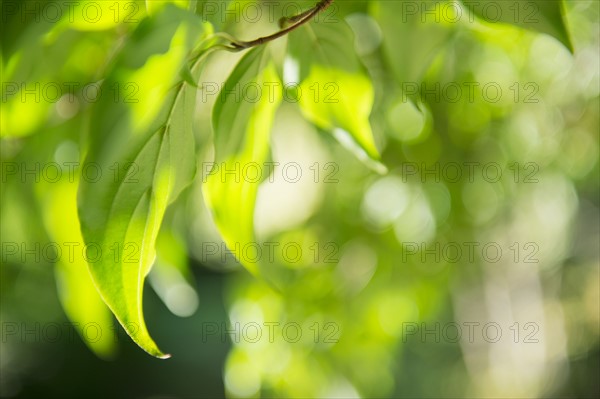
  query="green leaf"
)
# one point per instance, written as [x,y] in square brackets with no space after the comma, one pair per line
[242,130]
[545,16]
[155,6]
[410,42]
[335,93]
[142,147]
[213,12]
[42,60]
[76,291]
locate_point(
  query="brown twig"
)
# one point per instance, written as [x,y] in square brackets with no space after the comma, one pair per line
[298,20]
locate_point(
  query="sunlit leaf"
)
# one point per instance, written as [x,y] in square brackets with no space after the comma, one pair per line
[546,16]
[242,129]
[335,93]
[142,148]
[40,91]
[76,291]
[99,15]
[154,6]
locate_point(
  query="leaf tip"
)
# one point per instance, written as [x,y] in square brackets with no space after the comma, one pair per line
[154,351]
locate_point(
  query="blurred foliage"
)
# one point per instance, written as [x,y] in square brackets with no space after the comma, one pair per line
[424,90]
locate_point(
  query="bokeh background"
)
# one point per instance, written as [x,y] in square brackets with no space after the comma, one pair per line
[404,292]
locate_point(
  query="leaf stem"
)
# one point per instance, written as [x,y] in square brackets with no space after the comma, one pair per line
[297,20]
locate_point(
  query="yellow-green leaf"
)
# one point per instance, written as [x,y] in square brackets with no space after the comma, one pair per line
[154,6]
[336,94]
[242,130]
[76,291]
[143,149]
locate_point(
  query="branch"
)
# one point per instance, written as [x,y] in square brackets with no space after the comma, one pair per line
[297,20]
